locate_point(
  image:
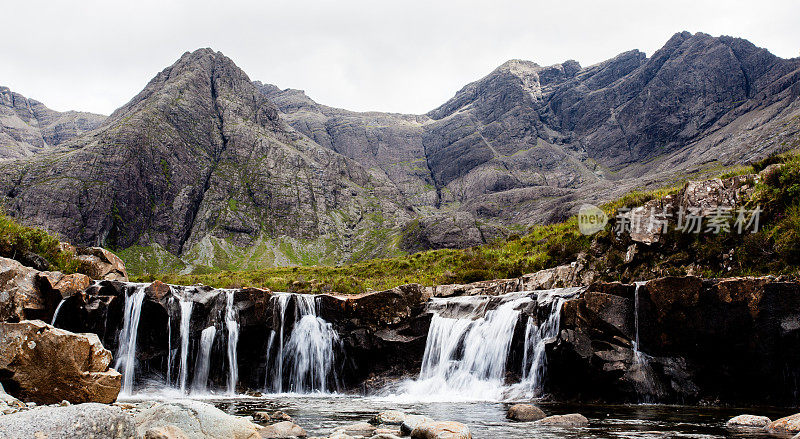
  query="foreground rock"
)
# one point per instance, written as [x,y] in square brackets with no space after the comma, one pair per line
[97,421]
[19,294]
[441,430]
[525,413]
[784,426]
[570,420]
[748,421]
[389,417]
[196,420]
[283,429]
[413,421]
[47,365]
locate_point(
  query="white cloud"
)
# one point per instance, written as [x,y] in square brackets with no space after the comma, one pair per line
[407,56]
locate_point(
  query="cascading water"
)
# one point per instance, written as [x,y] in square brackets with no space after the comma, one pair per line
[232,325]
[642,372]
[304,360]
[467,353]
[203,362]
[126,351]
[55,314]
[466,357]
[186,318]
[534,362]
[169,349]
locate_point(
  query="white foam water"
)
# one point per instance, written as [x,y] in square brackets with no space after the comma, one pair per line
[202,364]
[645,383]
[186,318]
[232,325]
[304,360]
[126,350]
[534,362]
[58,309]
[469,345]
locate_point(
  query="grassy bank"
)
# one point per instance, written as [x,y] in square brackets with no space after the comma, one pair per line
[774,249]
[31,245]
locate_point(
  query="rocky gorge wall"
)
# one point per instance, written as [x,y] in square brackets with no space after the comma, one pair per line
[673,339]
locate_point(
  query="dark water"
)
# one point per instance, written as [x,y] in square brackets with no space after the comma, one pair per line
[319,415]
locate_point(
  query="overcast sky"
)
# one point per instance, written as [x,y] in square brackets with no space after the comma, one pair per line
[403,56]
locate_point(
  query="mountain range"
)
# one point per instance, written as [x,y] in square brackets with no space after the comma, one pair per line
[206,168]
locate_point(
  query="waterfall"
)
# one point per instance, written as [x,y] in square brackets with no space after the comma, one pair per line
[202,364]
[55,314]
[232,325]
[186,317]
[169,349]
[305,360]
[534,362]
[470,342]
[641,372]
[126,350]
[465,358]
[636,318]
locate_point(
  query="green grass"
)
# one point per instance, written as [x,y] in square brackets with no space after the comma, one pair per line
[17,240]
[544,246]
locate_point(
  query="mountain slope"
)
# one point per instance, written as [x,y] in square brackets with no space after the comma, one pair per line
[229,173]
[28,126]
[527,143]
[200,164]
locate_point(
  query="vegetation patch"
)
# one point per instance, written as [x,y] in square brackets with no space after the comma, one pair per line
[26,243]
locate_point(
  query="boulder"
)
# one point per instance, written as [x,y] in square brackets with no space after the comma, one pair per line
[525,412]
[441,430]
[66,285]
[389,417]
[197,420]
[97,421]
[283,429]
[157,290]
[101,264]
[20,297]
[280,416]
[570,420]
[165,432]
[494,287]
[262,417]
[748,421]
[411,422]
[784,426]
[47,365]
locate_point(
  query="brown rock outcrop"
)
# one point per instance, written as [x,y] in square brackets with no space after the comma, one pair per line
[47,365]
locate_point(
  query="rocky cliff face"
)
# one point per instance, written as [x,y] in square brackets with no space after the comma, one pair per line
[28,126]
[528,143]
[207,165]
[199,162]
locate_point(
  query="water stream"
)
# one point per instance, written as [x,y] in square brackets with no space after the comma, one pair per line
[126,351]
[186,318]
[232,325]
[58,309]
[304,359]
[470,342]
[202,364]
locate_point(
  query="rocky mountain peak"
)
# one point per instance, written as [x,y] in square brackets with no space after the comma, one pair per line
[27,126]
